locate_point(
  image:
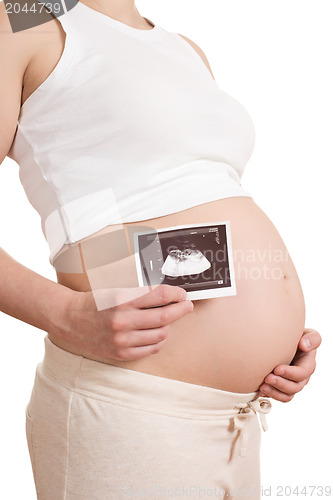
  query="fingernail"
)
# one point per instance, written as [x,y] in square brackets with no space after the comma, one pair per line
[307,342]
[190,306]
[266,388]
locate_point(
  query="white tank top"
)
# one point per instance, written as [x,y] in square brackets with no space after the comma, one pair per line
[130,125]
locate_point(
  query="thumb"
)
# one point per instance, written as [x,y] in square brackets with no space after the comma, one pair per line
[310,340]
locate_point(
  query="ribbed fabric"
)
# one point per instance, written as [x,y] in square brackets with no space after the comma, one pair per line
[101,432]
[130,125]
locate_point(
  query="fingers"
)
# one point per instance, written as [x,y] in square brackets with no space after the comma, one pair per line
[143,319]
[279,387]
[276,394]
[137,331]
[286,380]
[140,333]
[138,297]
[158,296]
[137,338]
[311,335]
[303,369]
[132,353]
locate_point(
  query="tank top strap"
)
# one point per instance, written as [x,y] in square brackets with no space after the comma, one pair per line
[69,19]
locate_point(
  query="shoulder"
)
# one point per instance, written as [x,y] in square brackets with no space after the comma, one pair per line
[18,48]
[198,50]
[13,49]
[23,42]
[36,23]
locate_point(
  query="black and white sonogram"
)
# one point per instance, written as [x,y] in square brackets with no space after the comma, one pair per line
[196,257]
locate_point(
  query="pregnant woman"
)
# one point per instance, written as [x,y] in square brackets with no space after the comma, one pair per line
[120,126]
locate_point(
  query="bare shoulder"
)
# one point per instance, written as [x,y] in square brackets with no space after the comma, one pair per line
[199,51]
[25,42]
[17,50]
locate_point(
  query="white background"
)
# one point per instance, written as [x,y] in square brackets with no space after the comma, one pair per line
[275,57]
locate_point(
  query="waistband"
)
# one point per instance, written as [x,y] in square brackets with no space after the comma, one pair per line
[151,392]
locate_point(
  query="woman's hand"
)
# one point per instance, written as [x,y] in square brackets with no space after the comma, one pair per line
[121,324]
[286,380]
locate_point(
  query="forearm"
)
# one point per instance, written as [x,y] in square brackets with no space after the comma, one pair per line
[32,298]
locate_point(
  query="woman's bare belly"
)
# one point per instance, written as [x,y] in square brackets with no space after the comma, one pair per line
[228,343]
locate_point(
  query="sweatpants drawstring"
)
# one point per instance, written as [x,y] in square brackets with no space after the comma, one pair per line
[259,405]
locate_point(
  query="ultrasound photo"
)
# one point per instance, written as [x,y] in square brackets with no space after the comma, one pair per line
[195,257]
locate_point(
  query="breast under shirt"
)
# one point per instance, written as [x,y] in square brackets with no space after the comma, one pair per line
[129,125]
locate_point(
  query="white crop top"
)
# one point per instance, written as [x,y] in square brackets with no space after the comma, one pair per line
[130,125]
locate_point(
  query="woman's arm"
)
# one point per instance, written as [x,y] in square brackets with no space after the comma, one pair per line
[24,294]
[32,298]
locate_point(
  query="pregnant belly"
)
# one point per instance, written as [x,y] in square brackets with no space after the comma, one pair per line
[228,343]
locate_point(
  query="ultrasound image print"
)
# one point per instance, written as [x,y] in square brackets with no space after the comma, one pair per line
[185,262]
[195,257]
